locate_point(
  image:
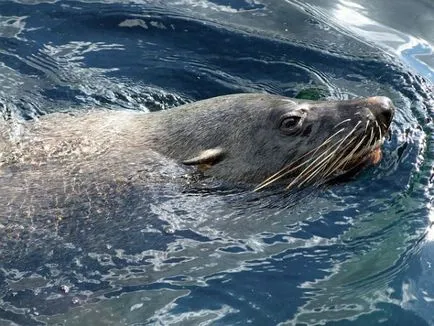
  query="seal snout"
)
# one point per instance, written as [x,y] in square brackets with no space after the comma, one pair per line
[383,109]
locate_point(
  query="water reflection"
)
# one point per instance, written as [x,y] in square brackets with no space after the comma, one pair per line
[356,18]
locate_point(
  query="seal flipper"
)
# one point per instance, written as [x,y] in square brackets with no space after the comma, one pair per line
[206,158]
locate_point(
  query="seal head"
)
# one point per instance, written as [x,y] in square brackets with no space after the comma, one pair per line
[267,139]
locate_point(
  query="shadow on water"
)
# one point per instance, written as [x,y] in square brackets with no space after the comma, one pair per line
[357,253]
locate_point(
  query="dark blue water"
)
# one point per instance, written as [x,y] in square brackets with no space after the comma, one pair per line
[359,253]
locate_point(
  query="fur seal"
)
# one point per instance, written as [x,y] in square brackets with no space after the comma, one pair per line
[260,139]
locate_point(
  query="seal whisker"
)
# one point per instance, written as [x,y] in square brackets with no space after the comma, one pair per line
[323,163]
[379,130]
[367,125]
[284,171]
[351,155]
[312,166]
[331,163]
[338,162]
[342,122]
[371,138]
[331,166]
[318,167]
[306,170]
[344,158]
[317,172]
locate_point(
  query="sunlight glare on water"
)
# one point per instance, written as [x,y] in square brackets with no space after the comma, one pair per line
[355,18]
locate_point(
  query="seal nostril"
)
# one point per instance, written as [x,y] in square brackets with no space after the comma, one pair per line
[386,116]
[382,108]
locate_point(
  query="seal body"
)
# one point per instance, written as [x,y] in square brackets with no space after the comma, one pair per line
[242,138]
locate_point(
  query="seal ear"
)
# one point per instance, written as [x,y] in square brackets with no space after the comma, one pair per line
[206,158]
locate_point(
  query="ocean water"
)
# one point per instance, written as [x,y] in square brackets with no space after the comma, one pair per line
[358,253]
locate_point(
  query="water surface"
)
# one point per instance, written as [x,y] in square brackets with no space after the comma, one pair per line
[358,253]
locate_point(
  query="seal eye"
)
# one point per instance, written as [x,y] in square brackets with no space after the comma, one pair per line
[288,124]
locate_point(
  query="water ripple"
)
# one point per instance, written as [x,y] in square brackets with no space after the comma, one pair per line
[214,255]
